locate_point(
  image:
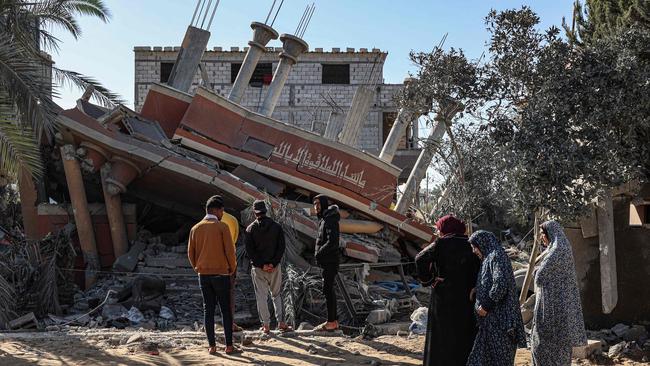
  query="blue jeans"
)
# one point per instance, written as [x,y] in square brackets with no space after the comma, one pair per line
[216,290]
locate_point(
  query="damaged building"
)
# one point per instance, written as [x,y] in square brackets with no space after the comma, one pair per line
[280,124]
[137,180]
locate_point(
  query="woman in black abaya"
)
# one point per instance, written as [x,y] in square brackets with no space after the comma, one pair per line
[450,267]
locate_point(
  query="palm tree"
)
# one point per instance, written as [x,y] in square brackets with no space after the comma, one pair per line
[29,80]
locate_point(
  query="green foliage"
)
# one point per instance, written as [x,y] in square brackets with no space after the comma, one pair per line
[551,125]
[572,121]
[27,111]
[600,19]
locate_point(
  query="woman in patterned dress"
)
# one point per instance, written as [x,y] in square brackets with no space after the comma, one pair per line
[500,327]
[558,325]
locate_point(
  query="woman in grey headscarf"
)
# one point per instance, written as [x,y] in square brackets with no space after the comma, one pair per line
[500,327]
[558,325]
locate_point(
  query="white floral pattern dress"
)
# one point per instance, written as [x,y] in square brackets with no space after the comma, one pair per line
[558,324]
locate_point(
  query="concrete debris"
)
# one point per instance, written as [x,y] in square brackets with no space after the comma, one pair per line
[636,333]
[134,338]
[616,350]
[135,316]
[129,261]
[593,347]
[166,313]
[113,311]
[305,326]
[27,321]
[620,329]
[378,316]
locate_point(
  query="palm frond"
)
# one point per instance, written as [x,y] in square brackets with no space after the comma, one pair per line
[25,85]
[92,8]
[67,78]
[19,148]
[27,22]
[7,301]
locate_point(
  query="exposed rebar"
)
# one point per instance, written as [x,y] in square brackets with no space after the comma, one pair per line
[196,10]
[205,15]
[214,11]
[277,12]
[200,12]
[302,19]
[308,20]
[270,10]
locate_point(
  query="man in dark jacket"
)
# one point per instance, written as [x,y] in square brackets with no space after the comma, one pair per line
[265,248]
[328,255]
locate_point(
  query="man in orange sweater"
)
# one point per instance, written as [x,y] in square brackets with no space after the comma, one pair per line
[212,254]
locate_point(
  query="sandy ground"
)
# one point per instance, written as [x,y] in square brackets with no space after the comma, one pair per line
[109,347]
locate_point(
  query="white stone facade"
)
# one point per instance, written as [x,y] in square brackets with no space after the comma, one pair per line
[302,101]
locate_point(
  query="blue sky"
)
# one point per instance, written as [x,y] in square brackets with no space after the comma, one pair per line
[105,51]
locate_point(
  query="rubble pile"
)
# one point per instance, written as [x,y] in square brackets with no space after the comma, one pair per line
[624,341]
[32,279]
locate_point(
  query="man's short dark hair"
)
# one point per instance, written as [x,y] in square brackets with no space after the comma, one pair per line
[214,202]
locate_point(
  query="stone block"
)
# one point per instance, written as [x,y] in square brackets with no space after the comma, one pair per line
[336,49]
[635,333]
[392,328]
[234,49]
[592,347]
[318,49]
[349,49]
[157,49]
[142,48]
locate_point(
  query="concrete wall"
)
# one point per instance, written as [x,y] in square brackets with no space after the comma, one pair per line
[633,269]
[301,102]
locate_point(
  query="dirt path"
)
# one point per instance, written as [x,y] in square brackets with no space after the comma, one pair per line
[108,347]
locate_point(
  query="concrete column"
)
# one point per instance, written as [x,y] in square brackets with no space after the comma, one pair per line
[397,132]
[82,217]
[607,246]
[293,47]
[115,215]
[28,204]
[356,116]
[262,34]
[188,59]
[123,172]
[420,167]
[334,126]
[444,118]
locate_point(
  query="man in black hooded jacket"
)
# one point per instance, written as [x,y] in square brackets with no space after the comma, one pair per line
[328,255]
[265,247]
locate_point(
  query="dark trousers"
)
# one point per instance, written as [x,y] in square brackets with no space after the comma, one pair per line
[330,270]
[233,278]
[216,290]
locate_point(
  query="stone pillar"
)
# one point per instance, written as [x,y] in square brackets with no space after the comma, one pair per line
[262,34]
[396,134]
[28,204]
[420,167]
[607,246]
[334,126]
[293,47]
[115,215]
[82,217]
[443,119]
[188,59]
[123,172]
[93,156]
[356,117]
